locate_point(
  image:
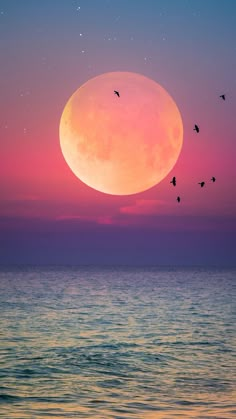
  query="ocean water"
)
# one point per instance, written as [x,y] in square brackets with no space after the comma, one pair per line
[117,342]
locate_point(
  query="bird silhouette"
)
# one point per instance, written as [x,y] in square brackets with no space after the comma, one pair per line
[201,183]
[222,97]
[117,93]
[213,179]
[173,181]
[178,198]
[196,128]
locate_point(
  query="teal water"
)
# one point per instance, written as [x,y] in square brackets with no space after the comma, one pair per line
[117,343]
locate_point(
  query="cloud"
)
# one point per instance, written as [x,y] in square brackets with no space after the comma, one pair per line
[143,207]
[106,219]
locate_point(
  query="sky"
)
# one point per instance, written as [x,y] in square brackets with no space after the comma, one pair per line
[49,48]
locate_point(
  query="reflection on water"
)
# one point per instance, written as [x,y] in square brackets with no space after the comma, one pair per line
[117,343]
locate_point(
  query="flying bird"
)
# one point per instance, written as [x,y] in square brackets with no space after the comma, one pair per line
[213,179]
[222,97]
[196,128]
[178,198]
[173,181]
[117,93]
[201,183]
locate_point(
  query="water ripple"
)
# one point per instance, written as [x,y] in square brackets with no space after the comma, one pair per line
[117,343]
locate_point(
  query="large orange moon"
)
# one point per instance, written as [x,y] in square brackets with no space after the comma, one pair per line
[121,145]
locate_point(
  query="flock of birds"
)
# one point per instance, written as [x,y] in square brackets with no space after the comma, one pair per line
[196,128]
[213,179]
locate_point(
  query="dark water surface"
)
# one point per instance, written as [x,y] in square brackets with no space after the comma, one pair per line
[117,343]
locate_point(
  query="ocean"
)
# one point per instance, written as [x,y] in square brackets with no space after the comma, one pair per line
[117,342]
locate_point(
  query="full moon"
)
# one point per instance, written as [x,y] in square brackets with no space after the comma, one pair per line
[125,144]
